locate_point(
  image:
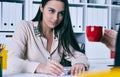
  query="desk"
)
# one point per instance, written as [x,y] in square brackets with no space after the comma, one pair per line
[32,75]
[7,74]
[94,66]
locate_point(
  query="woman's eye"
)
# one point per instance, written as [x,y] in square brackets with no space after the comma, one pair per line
[51,11]
[61,13]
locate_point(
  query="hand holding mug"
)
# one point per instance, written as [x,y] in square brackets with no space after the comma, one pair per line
[109,38]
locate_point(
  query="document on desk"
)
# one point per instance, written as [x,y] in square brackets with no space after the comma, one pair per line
[67,69]
[33,75]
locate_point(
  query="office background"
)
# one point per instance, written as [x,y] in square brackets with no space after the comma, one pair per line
[83,13]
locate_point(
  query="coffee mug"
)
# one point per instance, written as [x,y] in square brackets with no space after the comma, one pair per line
[94,33]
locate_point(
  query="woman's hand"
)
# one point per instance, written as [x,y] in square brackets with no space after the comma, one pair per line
[52,67]
[78,68]
[109,38]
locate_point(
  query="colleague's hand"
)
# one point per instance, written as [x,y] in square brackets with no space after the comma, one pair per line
[52,68]
[109,38]
[77,68]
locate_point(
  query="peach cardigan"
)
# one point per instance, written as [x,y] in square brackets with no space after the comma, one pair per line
[28,49]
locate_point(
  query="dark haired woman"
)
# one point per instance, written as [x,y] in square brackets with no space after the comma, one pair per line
[39,45]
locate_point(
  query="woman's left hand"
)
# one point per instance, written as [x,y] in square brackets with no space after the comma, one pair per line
[77,68]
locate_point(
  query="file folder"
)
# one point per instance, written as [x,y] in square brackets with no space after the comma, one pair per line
[76,1]
[18,14]
[0,15]
[70,1]
[73,15]
[90,16]
[79,19]
[11,15]
[97,16]
[5,16]
[105,17]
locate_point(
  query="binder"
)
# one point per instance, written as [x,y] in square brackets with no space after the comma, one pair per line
[79,26]
[90,16]
[5,17]
[95,16]
[105,17]
[18,14]
[73,14]
[76,1]
[11,15]
[0,15]
[70,1]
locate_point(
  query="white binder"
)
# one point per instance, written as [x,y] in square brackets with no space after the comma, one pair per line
[97,16]
[105,17]
[70,1]
[5,16]
[76,1]
[79,19]
[18,14]
[90,16]
[0,16]
[73,14]
[11,15]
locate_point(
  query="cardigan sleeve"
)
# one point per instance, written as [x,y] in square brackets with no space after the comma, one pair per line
[78,57]
[17,61]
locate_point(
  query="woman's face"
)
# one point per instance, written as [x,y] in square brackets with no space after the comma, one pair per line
[53,13]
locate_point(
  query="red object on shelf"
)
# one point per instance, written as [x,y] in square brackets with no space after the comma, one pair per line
[112,54]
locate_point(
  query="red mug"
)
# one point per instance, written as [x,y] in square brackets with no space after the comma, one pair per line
[94,33]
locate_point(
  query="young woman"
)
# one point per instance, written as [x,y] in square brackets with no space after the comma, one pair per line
[39,45]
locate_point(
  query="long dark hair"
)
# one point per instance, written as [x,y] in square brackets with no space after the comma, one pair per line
[64,29]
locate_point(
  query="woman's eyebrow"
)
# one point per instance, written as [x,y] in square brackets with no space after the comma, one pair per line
[55,10]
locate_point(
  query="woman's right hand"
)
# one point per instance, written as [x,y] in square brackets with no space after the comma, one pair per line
[109,38]
[52,68]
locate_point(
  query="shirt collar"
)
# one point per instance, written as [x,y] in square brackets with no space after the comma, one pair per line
[38,33]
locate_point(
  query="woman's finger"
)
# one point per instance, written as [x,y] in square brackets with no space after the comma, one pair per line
[54,68]
[77,69]
[58,65]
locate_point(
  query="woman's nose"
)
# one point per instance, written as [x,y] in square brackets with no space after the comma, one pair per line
[55,16]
